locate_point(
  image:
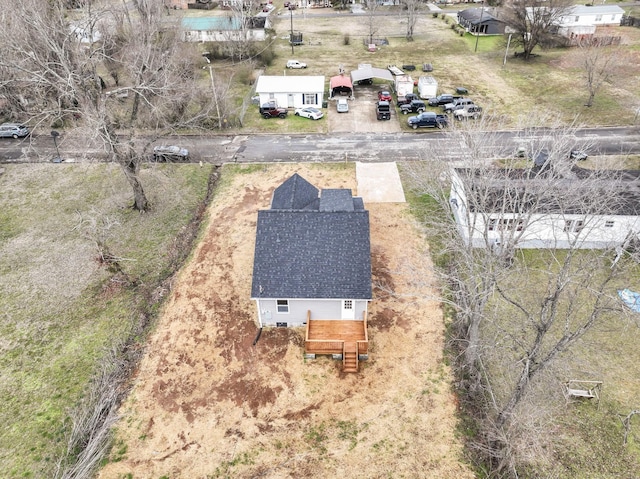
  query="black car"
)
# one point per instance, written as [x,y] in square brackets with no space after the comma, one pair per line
[415,106]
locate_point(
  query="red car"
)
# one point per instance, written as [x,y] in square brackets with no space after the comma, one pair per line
[384,95]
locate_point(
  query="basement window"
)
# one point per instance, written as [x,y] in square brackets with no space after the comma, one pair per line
[283,305]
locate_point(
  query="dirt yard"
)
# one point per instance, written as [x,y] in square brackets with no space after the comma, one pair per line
[207,403]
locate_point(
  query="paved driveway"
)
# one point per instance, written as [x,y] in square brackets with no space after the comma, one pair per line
[361,117]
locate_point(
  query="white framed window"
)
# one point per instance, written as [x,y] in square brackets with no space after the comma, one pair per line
[573,226]
[348,304]
[609,224]
[309,99]
[282,305]
[505,224]
[598,18]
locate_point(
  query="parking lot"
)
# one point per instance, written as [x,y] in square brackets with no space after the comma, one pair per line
[361,117]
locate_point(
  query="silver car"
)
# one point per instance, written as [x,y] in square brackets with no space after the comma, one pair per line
[13,130]
[170,153]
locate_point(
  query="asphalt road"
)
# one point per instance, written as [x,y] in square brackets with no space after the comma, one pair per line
[365,147]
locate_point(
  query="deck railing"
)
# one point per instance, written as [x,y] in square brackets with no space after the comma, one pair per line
[332,345]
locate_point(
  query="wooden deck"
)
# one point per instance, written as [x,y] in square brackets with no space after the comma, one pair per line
[337,336]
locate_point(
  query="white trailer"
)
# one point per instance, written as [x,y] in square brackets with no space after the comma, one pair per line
[427,87]
[404,85]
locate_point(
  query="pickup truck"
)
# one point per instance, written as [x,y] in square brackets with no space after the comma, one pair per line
[271,110]
[383,110]
[428,119]
[416,106]
[441,100]
[457,104]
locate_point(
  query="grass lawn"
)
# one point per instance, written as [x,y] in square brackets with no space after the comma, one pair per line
[60,309]
[582,439]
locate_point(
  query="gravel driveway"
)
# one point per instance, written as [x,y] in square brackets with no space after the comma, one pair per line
[361,117]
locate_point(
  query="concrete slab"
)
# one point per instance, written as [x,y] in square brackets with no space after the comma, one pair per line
[379,183]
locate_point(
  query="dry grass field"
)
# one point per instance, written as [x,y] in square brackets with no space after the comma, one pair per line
[207,403]
[552,83]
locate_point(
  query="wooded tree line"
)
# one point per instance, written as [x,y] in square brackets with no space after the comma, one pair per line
[116,73]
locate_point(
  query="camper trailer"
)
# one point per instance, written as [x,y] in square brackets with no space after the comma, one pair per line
[427,87]
[404,85]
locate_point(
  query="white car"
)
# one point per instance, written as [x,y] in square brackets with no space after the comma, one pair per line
[296,64]
[309,112]
[342,106]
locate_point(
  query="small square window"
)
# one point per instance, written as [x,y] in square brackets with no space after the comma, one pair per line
[609,224]
[283,305]
[348,304]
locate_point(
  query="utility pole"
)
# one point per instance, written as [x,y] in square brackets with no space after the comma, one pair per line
[291,34]
[506,51]
[479,27]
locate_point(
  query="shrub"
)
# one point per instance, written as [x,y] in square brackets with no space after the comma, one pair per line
[346,39]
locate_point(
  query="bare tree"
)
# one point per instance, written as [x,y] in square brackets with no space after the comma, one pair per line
[371,21]
[62,58]
[599,64]
[238,42]
[411,12]
[552,302]
[534,20]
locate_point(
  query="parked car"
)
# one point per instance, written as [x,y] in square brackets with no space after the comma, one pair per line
[407,98]
[442,99]
[13,130]
[384,95]
[428,119]
[468,111]
[309,112]
[415,106]
[170,153]
[342,105]
[383,110]
[296,64]
[578,155]
[457,104]
[271,110]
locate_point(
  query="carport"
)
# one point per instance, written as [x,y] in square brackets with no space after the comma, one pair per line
[369,73]
[340,85]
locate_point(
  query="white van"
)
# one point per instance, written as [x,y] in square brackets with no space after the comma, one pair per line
[342,106]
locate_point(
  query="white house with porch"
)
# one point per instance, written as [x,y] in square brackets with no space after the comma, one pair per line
[291,91]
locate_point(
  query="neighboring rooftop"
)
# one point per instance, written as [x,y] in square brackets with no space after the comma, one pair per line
[535,190]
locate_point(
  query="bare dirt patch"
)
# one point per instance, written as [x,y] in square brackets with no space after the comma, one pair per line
[207,403]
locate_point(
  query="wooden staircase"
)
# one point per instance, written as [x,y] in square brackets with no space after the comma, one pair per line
[350,357]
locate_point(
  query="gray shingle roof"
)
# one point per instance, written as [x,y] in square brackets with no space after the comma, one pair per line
[336,200]
[294,194]
[312,254]
[324,252]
